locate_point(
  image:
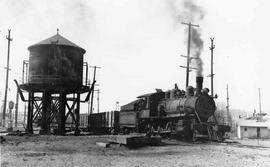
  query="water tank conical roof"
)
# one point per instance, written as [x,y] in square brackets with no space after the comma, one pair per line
[56,39]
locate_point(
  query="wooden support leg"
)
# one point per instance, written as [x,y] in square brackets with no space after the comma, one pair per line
[61,114]
[29,127]
[46,105]
[77,114]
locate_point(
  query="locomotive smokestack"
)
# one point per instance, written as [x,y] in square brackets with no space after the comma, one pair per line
[199,85]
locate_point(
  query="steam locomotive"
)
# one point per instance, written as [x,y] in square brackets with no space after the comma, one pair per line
[187,114]
[176,113]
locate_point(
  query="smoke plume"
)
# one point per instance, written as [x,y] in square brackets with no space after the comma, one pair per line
[196,49]
[188,11]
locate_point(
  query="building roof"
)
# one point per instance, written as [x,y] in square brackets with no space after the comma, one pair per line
[254,123]
[56,39]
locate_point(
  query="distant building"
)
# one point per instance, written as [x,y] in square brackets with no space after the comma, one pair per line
[253,129]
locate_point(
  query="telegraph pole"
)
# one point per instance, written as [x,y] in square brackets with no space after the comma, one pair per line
[227,107]
[260,101]
[212,47]
[188,50]
[16,108]
[92,95]
[98,92]
[117,108]
[7,75]
[88,110]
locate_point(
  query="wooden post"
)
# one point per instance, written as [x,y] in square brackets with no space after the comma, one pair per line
[7,75]
[188,50]
[77,115]
[61,114]
[29,128]
[212,64]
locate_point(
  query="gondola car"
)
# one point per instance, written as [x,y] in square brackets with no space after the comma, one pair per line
[104,122]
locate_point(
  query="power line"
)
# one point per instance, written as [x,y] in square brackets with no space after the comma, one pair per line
[92,96]
[188,50]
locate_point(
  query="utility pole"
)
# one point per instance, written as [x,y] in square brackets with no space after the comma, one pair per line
[227,107]
[16,108]
[7,75]
[117,108]
[24,114]
[188,50]
[260,101]
[98,92]
[92,95]
[212,47]
[88,103]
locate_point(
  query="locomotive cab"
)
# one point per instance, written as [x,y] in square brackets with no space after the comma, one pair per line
[150,104]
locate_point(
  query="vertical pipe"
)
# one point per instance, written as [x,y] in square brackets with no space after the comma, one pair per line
[86,73]
[26,75]
[92,95]
[16,107]
[24,114]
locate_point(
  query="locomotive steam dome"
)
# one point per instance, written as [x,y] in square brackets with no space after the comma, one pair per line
[56,62]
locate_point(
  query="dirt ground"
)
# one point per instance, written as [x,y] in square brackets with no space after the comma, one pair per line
[82,151]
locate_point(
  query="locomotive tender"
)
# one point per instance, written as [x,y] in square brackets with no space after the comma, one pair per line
[174,112]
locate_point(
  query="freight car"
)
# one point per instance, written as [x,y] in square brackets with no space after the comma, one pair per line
[104,122]
[175,112]
[70,123]
[96,123]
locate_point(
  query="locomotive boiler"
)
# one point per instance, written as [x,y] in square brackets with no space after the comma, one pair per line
[177,102]
[175,112]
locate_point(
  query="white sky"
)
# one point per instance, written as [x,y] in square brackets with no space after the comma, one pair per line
[137,43]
